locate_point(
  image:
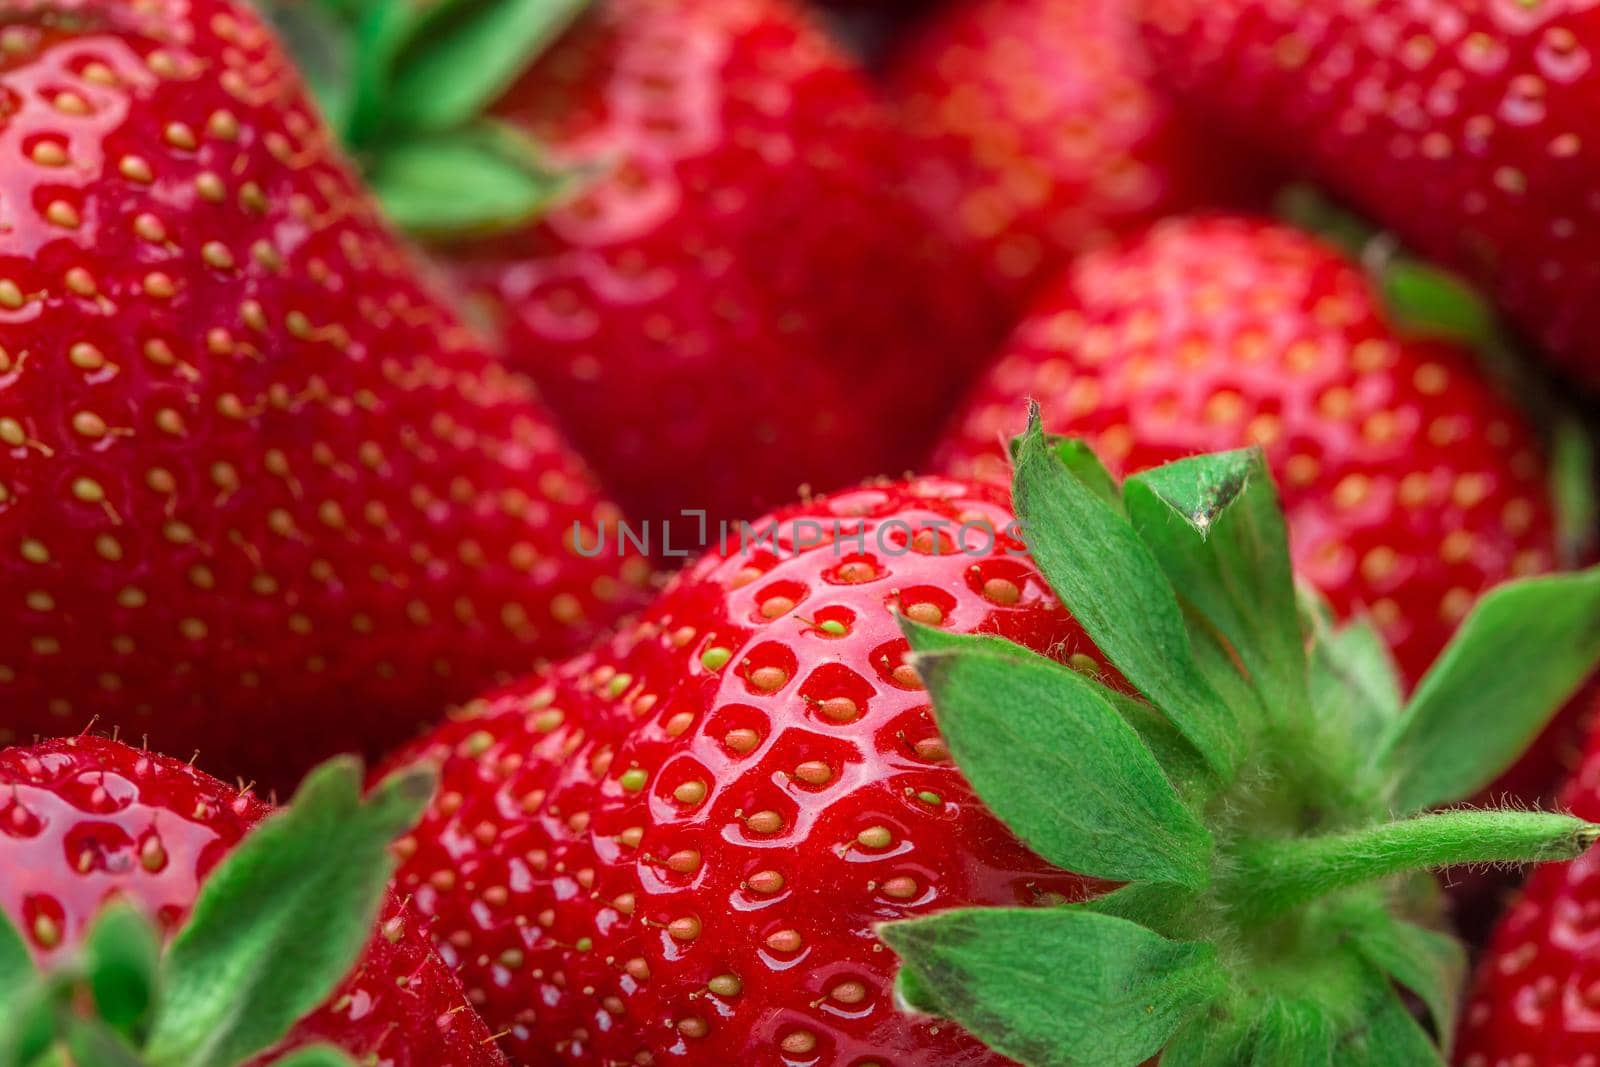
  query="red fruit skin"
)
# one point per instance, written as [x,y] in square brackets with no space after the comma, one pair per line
[1409,486]
[261,492]
[1532,999]
[737,302]
[595,917]
[85,819]
[1038,133]
[1467,126]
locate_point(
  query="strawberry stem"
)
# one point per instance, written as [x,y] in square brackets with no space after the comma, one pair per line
[1272,877]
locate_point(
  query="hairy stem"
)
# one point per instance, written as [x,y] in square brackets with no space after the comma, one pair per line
[1274,876]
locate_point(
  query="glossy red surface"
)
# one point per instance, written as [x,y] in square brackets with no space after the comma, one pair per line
[1038,134]
[653,855]
[1468,126]
[736,301]
[261,493]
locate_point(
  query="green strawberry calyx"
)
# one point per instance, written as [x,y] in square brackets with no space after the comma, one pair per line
[1267,802]
[278,924]
[406,84]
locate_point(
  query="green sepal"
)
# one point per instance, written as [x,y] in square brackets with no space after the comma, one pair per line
[1107,578]
[454,58]
[122,954]
[1173,753]
[16,963]
[1352,678]
[1428,301]
[1076,455]
[1178,760]
[320,37]
[1209,1042]
[1057,987]
[1057,763]
[282,919]
[30,1020]
[1389,1035]
[1573,490]
[477,179]
[94,1044]
[1430,964]
[314,1056]
[1215,525]
[1170,910]
[1517,657]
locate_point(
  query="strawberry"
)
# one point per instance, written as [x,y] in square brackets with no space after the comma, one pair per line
[1529,1002]
[1467,127]
[1410,486]
[727,290]
[262,493]
[750,771]
[1037,133]
[683,846]
[89,820]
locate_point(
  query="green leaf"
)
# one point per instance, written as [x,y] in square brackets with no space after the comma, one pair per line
[16,963]
[1109,580]
[1428,301]
[1388,1035]
[1209,1042]
[1079,458]
[1214,524]
[1058,987]
[323,47]
[1430,964]
[1170,910]
[30,1019]
[459,56]
[1519,655]
[93,1044]
[122,953]
[282,918]
[477,179]
[1177,758]
[1059,765]
[1353,679]
[1572,485]
[314,1056]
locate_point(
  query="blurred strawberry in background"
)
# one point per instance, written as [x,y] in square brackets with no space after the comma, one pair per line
[1038,134]
[711,275]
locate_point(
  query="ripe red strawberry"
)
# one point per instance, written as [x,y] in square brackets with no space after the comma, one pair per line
[731,290]
[85,819]
[686,845]
[1409,485]
[261,492]
[1468,127]
[679,845]
[1532,998]
[1038,134]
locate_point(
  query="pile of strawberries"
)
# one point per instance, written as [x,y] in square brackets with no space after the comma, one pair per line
[877,533]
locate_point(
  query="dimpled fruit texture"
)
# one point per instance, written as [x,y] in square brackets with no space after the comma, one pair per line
[1409,486]
[736,301]
[1533,999]
[261,494]
[84,819]
[1038,134]
[1468,126]
[675,849]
